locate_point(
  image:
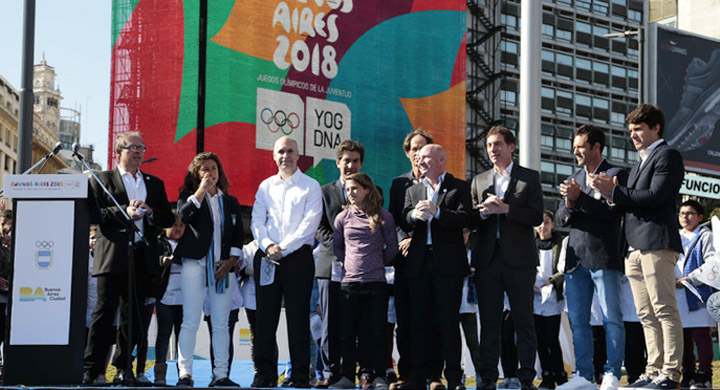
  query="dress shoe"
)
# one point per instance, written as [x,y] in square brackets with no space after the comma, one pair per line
[324,383]
[259,381]
[436,384]
[90,379]
[185,381]
[124,377]
[407,385]
[223,382]
[296,384]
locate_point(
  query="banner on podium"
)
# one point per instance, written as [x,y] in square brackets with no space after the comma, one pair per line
[42,279]
[46,186]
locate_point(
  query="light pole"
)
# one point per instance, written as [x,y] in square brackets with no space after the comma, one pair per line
[641,39]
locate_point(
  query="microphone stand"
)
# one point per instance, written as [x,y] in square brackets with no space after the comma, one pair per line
[37,164]
[127,379]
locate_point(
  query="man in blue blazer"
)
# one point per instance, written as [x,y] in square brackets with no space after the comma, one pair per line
[593,261]
[651,230]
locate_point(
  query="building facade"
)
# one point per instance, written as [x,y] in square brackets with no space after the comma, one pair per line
[587,78]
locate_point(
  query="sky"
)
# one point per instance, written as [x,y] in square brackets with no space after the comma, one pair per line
[74,36]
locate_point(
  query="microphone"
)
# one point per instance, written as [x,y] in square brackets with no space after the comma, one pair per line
[149,160]
[76,151]
[58,147]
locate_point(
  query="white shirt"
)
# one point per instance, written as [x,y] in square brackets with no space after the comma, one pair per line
[502,180]
[287,212]
[644,154]
[135,189]
[432,195]
[214,202]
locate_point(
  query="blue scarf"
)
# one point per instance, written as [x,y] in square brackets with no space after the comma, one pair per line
[693,260]
[221,284]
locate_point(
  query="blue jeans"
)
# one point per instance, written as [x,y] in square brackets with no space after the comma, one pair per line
[579,287]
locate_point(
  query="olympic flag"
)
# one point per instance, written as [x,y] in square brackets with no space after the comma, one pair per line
[320,71]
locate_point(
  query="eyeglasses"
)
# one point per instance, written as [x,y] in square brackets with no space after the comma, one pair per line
[688,214]
[134,148]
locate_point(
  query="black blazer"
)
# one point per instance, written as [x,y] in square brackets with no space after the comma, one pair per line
[111,248]
[449,255]
[649,201]
[195,243]
[594,225]
[333,201]
[517,237]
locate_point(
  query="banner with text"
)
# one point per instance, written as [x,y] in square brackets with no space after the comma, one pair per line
[320,71]
[42,273]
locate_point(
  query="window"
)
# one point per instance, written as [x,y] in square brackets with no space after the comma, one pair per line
[563,140]
[547,100]
[619,78]
[564,104]
[548,62]
[583,27]
[583,70]
[509,53]
[617,118]
[583,34]
[563,169]
[621,2]
[600,42]
[583,5]
[600,7]
[547,166]
[619,148]
[583,106]
[600,73]
[565,2]
[508,97]
[548,31]
[601,109]
[635,15]
[509,20]
[564,66]
[563,35]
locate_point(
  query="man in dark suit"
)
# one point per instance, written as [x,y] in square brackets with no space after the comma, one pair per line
[436,211]
[350,156]
[412,144]
[143,198]
[507,203]
[651,231]
[593,262]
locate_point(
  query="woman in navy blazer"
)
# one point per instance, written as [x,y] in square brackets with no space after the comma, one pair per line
[209,250]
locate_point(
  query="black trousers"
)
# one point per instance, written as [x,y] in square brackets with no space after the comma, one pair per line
[492,281]
[329,302]
[435,303]
[547,330]
[364,312]
[508,346]
[402,315]
[293,284]
[169,319]
[635,352]
[112,293]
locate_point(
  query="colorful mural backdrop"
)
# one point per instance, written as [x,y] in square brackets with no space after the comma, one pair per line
[320,71]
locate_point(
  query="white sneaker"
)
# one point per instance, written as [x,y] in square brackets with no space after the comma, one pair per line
[609,382]
[510,383]
[578,383]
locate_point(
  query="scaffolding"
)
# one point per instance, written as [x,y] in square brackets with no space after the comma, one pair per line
[125,80]
[483,79]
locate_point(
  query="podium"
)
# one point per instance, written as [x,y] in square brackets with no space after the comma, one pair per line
[45,338]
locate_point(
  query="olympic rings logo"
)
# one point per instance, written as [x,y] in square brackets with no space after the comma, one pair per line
[279,121]
[44,244]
